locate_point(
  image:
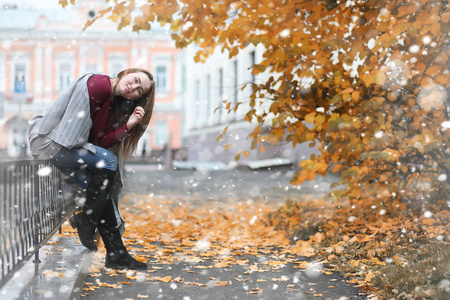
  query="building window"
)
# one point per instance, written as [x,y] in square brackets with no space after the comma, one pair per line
[220,96]
[197,102]
[18,136]
[2,73]
[117,62]
[161,78]
[20,86]
[91,68]
[252,63]
[116,68]
[234,88]
[183,78]
[64,76]
[161,133]
[235,81]
[209,100]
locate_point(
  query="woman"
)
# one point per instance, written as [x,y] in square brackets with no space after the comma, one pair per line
[97,113]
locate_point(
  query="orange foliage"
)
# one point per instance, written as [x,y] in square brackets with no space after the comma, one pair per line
[370,77]
[357,240]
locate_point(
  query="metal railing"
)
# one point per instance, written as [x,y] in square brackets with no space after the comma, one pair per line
[34,203]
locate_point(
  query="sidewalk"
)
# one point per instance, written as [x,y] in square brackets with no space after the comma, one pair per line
[200,243]
[60,274]
[65,262]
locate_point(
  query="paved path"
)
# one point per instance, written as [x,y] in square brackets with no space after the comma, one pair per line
[251,275]
[225,185]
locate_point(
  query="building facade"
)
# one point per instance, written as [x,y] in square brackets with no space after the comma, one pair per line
[43,50]
[207,86]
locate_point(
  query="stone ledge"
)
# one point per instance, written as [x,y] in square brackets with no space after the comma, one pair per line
[64,264]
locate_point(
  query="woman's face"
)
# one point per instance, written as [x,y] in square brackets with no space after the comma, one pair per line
[133,85]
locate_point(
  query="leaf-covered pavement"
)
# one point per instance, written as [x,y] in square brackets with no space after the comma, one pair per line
[199,249]
[199,228]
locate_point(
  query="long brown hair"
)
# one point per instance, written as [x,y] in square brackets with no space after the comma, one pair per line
[124,109]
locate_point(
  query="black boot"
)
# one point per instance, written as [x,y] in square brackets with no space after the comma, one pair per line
[96,198]
[117,256]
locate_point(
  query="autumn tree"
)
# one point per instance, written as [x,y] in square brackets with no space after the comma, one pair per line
[366,82]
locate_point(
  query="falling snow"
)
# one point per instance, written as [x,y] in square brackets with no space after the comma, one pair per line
[45,171]
[100,165]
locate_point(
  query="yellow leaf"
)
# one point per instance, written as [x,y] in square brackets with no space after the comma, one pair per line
[429,222]
[302,265]
[337,248]
[127,276]
[369,276]
[354,263]
[227,146]
[256,291]
[336,168]
[435,28]
[222,264]
[392,96]
[164,279]
[238,156]
[283,278]
[368,79]
[241,279]
[319,119]
[433,71]
[310,117]
[427,83]
[380,78]
[63,3]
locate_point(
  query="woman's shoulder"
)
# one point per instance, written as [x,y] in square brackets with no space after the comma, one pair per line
[99,79]
[99,85]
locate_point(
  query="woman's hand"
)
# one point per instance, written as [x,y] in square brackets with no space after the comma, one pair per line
[136,117]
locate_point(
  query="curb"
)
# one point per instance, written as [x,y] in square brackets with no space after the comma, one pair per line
[64,265]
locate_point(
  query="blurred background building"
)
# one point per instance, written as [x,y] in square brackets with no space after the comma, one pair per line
[43,48]
[221,78]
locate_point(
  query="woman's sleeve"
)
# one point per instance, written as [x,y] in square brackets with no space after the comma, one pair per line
[99,89]
[110,138]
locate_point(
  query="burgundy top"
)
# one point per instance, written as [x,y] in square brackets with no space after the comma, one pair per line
[103,113]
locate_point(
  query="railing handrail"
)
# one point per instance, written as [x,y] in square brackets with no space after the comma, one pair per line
[34,203]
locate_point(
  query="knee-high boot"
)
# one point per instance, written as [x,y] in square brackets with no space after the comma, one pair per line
[96,198]
[117,256]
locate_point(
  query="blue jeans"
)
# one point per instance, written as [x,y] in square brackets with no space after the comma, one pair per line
[79,163]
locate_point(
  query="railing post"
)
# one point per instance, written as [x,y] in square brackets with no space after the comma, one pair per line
[37,214]
[33,207]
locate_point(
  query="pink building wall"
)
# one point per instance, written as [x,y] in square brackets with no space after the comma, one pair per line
[55,47]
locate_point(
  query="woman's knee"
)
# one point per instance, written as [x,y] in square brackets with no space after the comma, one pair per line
[109,160]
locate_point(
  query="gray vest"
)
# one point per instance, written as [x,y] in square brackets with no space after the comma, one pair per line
[68,122]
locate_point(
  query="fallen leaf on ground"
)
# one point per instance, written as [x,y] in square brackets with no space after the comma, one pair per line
[256,291]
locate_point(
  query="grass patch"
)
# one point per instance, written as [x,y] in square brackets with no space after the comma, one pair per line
[387,250]
[424,272]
